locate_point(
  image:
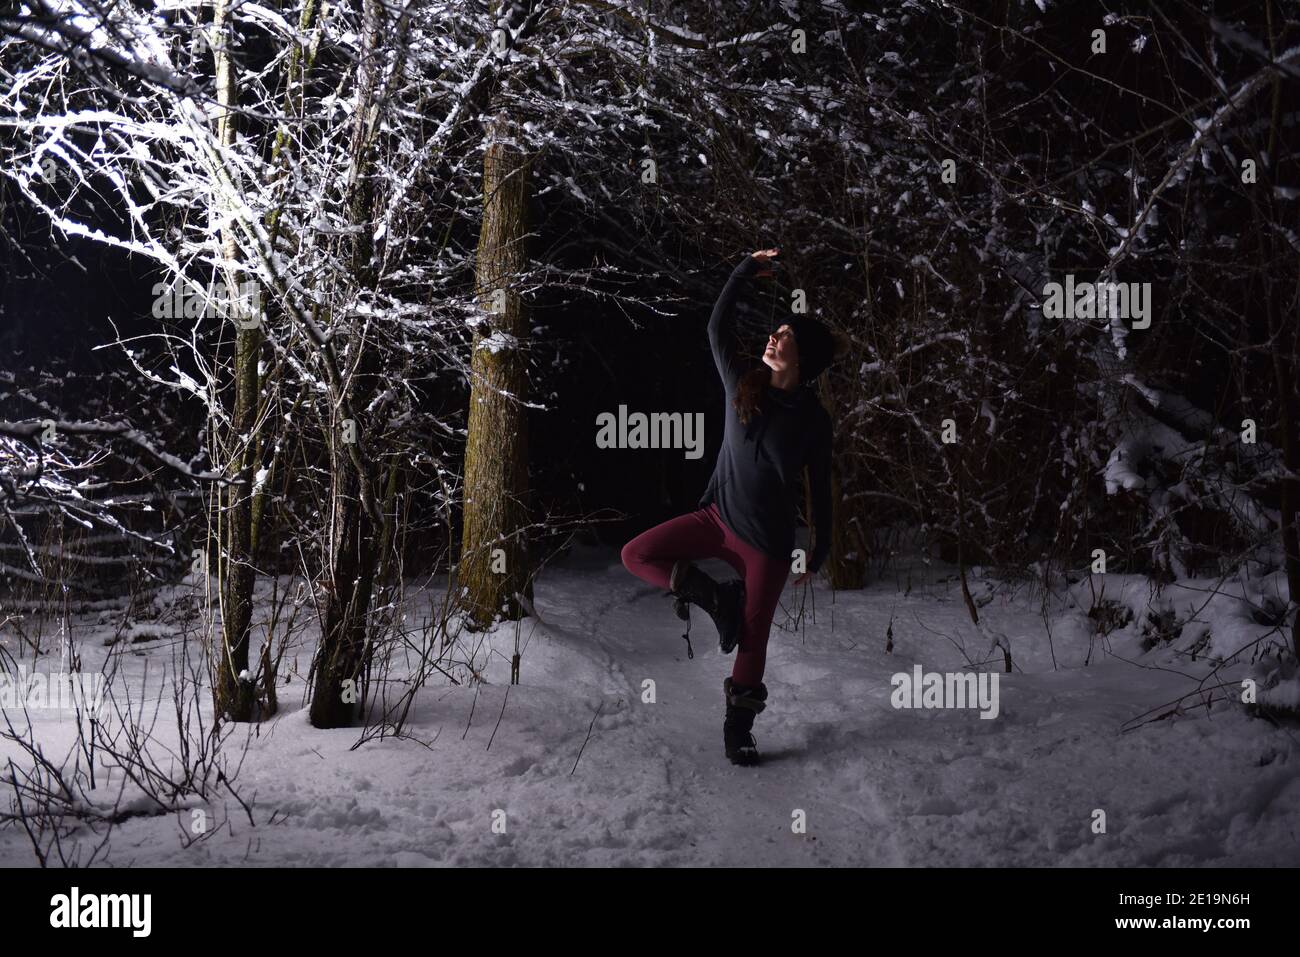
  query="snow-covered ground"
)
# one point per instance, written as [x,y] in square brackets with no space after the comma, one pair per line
[876,785]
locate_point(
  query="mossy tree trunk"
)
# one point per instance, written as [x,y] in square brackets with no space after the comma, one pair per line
[494,566]
[233,691]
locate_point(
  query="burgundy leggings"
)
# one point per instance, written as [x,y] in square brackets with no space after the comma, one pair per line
[703,534]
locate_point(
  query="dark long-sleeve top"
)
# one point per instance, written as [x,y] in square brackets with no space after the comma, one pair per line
[755,480]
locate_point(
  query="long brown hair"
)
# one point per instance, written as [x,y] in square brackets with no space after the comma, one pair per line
[749,392]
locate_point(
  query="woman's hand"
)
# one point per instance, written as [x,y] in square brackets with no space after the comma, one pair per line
[765,257]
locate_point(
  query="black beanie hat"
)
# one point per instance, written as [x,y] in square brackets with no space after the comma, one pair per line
[816,347]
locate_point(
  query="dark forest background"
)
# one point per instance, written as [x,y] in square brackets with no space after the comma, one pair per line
[926,168]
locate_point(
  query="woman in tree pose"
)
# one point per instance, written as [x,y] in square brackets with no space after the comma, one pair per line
[774,427]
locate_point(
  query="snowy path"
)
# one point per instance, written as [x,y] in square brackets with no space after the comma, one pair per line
[878,786]
[746,814]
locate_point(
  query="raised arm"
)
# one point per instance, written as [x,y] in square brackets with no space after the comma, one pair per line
[722,325]
[819,474]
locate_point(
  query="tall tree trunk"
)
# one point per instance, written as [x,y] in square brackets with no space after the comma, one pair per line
[1284,357]
[496,454]
[353,553]
[233,690]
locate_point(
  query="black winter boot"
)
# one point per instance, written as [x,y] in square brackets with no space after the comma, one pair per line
[724,603]
[743,705]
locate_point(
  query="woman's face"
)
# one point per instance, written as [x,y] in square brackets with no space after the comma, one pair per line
[781,353]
